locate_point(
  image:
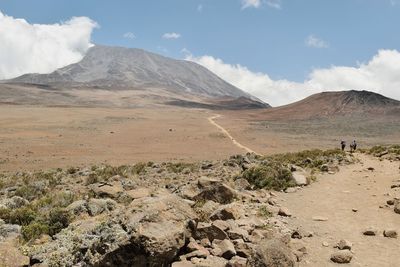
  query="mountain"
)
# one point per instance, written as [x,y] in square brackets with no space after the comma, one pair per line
[333,104]
[117,68]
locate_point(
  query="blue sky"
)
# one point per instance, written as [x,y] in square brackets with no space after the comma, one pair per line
[264,39]
[278,48]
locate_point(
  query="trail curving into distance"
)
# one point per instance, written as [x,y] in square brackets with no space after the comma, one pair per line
[226,133]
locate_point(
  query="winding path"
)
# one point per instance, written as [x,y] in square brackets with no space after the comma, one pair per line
[226,133]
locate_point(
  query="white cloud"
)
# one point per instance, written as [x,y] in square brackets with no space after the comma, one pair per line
[380,75]
[313,41]
[251,3]
[171,35]
[129,35]
[41,48]
[275,4]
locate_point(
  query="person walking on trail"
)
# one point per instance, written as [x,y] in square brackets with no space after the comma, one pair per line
[353,146]
[343,144]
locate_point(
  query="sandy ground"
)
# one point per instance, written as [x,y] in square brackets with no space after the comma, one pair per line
[334,197]
[36,137]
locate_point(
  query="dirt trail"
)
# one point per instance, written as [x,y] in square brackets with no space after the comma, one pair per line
[225,132]
[334,197]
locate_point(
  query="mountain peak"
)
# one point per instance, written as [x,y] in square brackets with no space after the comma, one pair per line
[114,68]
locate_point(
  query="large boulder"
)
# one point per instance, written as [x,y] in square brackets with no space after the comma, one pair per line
[209,231]
[11,256]
[149,232]
[273,253]
[213,189]
[299,178]
[111,190]
[228,212]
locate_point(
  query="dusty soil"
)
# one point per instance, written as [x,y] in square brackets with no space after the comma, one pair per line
[36,137]
[334,197]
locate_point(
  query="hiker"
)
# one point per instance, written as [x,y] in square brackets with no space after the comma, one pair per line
[343,144]
[353,146]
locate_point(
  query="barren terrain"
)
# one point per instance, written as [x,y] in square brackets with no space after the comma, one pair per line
[334,197]
[36,137]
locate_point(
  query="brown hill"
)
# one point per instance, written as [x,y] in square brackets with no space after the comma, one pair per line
[336,104]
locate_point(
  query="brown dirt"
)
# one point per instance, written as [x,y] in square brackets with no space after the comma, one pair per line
[334,197]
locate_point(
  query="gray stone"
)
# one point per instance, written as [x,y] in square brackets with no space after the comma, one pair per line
[273,253]
[343,256]
[390,233]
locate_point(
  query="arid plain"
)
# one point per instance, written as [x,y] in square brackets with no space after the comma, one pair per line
[39,137]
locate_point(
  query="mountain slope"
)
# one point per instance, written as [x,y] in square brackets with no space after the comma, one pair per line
[128,68]
[332,104]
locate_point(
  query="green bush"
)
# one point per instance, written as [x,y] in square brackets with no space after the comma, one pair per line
[21,216]
[58,219]
[180,166]
[34,230]
[139,168]
[270,176]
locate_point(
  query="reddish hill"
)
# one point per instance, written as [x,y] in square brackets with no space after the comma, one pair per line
[332,104]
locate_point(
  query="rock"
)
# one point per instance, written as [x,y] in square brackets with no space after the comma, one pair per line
[390,202]
[111,190]
[9,231]
[390,233]
[237,262]
[397,207]
[284,212]
[299,178]
[183,264]
[291,190]
[209,231]
[138,193]
[325,244]
[370,232]
[77,207]
[238,233]
[203,253]
[273,253]
[212,189]
[243,249]
[11,256]
[98,206]
[394,186]
[14,202]
[354,210]
[343,256]
[319,219]
[225,248]
[149,232]
[227,212]
[344,244]
[242,184]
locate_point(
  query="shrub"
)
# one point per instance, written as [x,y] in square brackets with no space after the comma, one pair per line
[264,212]
[58,219]
[139,168]
[270,176]
[34,230]
[180,166]
[21,216]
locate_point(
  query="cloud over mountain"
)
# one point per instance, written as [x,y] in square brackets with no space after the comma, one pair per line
[41,48]
[379,75]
